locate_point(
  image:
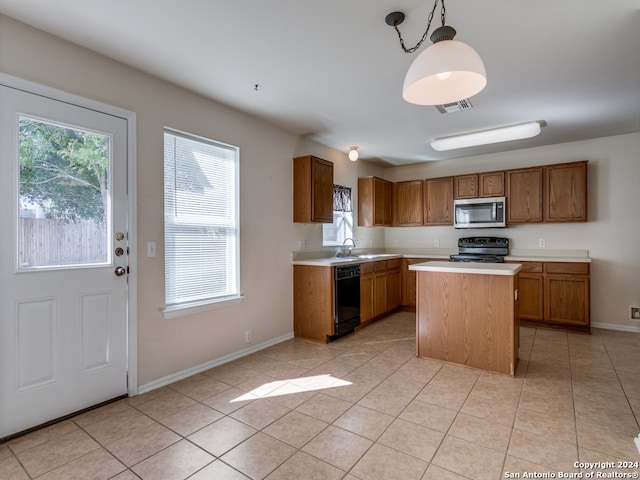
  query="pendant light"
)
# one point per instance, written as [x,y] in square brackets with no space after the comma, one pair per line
[446,72]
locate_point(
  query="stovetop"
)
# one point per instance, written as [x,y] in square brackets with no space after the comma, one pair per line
[481,249]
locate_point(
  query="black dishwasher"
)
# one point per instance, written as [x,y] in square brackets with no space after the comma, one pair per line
[347,299]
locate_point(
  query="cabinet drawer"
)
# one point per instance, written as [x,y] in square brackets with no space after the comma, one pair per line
[366,268]
[531,267]
[379,265]
[394,263]
[569,268]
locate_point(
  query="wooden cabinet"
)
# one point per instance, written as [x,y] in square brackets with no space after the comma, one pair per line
[565,192]
[374,202]
[312,190]
[438,201]
[567,294]
[379,287]
[524,195]
[394,283]
[555,295]
[408,300]
[366,292]
[407,203]
[313,302]
[475,185]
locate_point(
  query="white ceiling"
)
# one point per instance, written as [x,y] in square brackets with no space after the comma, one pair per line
[333,70]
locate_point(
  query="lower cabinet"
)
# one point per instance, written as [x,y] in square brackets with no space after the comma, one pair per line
[380,284]
[555,295]
[313,302]
[366,292]
[408,300]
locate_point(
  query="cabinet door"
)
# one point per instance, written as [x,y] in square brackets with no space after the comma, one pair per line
[393,288]
[466,186]
[322,181]
[438,201]
[407,200]
[379,293]
[491,184]
[313,302]
[566,192]
[524,195]
[566,299]
[374,202]
[366,297]
[530,296]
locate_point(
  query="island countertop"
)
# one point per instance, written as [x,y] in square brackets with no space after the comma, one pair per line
[468,267]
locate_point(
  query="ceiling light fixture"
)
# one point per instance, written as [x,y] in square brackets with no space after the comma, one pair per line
[446,72]
[353,153]
[483,137]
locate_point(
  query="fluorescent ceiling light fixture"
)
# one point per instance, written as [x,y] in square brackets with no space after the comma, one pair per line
[484,137]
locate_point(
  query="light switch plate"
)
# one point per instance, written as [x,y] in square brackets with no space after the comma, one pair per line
[151,249]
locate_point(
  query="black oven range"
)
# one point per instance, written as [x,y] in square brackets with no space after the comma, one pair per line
[481,249]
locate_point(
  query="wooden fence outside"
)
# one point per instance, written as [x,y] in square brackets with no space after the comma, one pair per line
[46,242]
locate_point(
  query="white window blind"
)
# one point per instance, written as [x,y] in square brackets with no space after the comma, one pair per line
[200,221]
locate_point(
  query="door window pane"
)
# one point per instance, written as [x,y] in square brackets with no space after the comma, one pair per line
[64,199]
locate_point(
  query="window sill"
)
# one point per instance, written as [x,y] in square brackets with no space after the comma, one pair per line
[190,309]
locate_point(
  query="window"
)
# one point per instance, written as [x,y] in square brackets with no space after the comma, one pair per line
[200,222]
[335,233]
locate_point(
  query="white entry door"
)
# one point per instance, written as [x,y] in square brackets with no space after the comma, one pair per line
[63,262]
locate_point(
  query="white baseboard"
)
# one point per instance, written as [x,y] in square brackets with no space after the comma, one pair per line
[164,381]
[622,328]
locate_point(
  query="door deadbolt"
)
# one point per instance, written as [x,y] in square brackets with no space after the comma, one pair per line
[119,271]
[119,252]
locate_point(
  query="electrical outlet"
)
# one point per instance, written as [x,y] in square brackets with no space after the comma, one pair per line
[247,336]
[395,243]
[436,242]
[302,244]
[542,243]
[635,313]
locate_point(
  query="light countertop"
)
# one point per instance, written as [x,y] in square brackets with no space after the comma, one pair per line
[468,267]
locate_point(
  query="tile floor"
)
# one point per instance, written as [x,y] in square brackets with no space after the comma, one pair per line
[363,407]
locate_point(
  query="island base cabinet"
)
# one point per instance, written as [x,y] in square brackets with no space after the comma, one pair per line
[469,319]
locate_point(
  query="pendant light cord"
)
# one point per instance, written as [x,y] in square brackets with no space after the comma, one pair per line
[424,36]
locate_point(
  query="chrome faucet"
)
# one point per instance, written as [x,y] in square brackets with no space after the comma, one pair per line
[348,250]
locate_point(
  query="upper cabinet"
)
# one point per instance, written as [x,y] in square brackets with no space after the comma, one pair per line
[438,201]
[565,192]
[374,202]
[489,184]
[312,190]
[407,204]
[524,195]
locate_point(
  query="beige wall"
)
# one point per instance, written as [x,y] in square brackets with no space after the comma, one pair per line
[268,235]
[612,234]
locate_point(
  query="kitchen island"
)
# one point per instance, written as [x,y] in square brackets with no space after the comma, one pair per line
[467,313]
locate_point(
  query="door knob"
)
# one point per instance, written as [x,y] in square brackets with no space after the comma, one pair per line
[119,271]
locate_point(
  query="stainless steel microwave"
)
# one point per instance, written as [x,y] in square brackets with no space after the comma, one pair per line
[479,213]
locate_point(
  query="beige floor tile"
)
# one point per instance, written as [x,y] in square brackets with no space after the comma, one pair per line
[607,440]
[168,404]
[469,459]
[290,396]
[258,456]
[230,400]
[231,374]
[338,447]
[191,419]
[501,411]
[515,467]
[222,435]
[54,453]
[41,436]
[96,465]
[349,393]
[364,421]
[483,432]
[199,386]
[304,466]
[218,470]
[295,428]
[557,425]
[102,413]
[607,418]
[177,462]
[543,450]
[428,415]
[260,413]
[544,404]
[545,386]
[601,399]
[4,451]
[117,426]
[412,439]
[11,469]
[142,443]
[443,396]
[126,475]
[435,472]
[384,463]
[385,401]
[324,407]
[606,459]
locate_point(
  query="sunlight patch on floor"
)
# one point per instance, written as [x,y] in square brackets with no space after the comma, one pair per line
[293,385]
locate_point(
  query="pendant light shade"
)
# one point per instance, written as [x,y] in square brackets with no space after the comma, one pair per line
[446,72]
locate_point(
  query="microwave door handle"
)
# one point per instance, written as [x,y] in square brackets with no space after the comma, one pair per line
[495,206]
